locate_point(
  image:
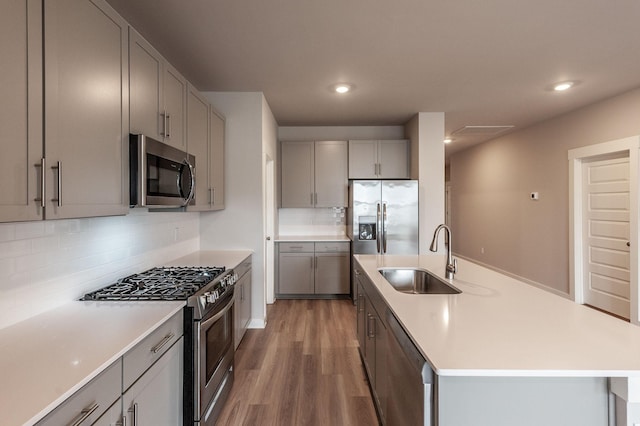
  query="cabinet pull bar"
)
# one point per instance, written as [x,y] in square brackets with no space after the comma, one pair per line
[168,126]
[211,196]
[58,167]
[123,422]
[371,333]
[163,132]
[311,198]
[315,198]
[379,169]
[85,413]
[164,341]
[134,410]
[43,182]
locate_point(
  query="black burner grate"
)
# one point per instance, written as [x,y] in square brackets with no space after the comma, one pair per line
[162,283]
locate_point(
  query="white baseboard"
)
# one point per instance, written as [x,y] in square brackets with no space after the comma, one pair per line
[257,323]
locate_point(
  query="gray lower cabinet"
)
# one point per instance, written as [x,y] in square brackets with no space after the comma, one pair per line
[90,402]
[313,269]
[242,301]
[372,338]
[461,400]
[145,384]
[155,398]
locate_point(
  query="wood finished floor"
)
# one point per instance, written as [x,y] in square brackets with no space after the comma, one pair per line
[302,369]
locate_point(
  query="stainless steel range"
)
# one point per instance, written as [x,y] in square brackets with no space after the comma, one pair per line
[208,329]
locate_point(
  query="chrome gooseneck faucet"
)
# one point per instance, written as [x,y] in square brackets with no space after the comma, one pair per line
[452,264]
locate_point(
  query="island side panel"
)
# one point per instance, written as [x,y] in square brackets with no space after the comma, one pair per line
[523,401]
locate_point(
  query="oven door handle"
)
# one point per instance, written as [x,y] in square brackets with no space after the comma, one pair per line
[216,317]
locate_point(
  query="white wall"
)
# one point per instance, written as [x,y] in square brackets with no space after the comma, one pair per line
[495,222]
[340,133]
[426,132]
[44,264]
[240,225]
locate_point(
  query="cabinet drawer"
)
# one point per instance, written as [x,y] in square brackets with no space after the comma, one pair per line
[296,247]
[144,354]
[90,402]
[332,247]
[243,267]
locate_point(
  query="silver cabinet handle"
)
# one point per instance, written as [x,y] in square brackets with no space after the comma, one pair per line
[371,326]
[123,422]
[85,413]
[43,182]
[315,198]
[360,305]
[311,198]
[58,167]
[163,132]
[164,341]
[375,169]
[169,126]
[134,410]
[211,196]
[379,169]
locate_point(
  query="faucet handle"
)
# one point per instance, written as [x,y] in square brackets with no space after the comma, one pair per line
[455,265]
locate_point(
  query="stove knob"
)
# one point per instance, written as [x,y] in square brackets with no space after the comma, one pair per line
[203,299]
[212,297]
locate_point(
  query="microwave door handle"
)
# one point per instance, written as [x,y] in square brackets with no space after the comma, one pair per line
[192,183]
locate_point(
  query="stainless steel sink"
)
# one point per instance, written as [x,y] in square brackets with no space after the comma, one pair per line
[416,281]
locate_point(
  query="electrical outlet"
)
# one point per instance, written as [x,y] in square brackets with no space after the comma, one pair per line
[481,250]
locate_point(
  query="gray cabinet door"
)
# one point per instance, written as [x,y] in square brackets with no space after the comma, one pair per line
[20,110]
[86,109]
[146,81]
[295,272]
[175,110]
[393,159]
[242,312]
[156,397]
[363,159]
[216,159]
[361,316]
[297,170]
[332,273]
[331,171]
[198,145]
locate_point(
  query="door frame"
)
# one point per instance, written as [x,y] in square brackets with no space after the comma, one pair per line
[577,157]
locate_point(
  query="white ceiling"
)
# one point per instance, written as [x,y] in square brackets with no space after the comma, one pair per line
[485,62]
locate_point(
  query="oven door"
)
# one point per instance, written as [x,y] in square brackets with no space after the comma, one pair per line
[215,360]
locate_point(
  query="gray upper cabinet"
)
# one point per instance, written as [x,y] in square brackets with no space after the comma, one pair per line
[314,174]
[198,144]
[216,159]
[205,140]
[158,94]
[379,159]
[20,109]
[85,109]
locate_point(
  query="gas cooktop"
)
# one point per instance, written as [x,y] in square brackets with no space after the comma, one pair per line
[162,283]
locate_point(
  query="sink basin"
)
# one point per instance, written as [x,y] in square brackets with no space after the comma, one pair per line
[416,281]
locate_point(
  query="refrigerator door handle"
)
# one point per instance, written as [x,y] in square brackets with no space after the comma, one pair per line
[379,225]
[384,228]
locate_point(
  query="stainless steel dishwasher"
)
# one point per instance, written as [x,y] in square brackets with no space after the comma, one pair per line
[410,380]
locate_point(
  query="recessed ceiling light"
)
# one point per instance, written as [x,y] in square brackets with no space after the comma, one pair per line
[565,85]
[342,88]
[447,140]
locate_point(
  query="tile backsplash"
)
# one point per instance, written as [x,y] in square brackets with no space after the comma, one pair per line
[47,263]
[321,221]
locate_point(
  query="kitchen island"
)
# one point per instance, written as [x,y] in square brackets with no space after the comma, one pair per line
[502,340]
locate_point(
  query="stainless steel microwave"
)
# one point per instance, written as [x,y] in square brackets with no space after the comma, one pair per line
[160,175]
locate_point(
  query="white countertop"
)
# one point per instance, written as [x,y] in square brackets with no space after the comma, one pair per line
[47,358]
[227,258]
[312,238]
[500,326]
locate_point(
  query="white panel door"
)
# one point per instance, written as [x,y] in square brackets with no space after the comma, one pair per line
[606,231]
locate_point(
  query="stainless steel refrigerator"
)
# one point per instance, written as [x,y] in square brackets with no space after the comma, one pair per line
[382,217]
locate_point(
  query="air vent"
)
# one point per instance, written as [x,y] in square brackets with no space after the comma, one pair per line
[481,130]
